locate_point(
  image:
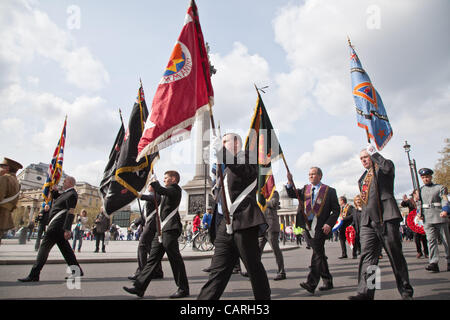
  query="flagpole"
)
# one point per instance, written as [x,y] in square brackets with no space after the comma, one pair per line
[226,213]
[375,181]
[300,202]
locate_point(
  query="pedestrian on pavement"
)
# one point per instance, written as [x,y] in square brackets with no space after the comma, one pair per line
[9,193]
[171,230]
[81,222]
[380,221]
[102,223]
[59,230]
[322,209]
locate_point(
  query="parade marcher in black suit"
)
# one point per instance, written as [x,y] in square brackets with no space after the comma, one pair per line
[240,185]
[148,222]
[322,210]
[171,229]
[42,220]
[347,212]
[59,230]
[380,222]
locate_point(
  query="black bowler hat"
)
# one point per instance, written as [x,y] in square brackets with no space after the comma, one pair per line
[425,172]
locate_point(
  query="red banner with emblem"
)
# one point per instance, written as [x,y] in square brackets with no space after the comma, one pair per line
[184,90]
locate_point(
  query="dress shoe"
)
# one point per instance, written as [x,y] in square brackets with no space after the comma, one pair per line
[104,251]
[432,267]
[236,271]
[343,257]
[406,296]
[359,297]
[308,247]
[135,291]
[207,270]
[133,277]
[180,294]
[327,287]
[96,251]
[307,287]
[280,276]
[419,255]
[29,279]
[73,274]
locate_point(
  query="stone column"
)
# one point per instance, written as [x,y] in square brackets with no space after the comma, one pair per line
[201,182]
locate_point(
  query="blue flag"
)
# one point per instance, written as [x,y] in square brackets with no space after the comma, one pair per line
[370,112]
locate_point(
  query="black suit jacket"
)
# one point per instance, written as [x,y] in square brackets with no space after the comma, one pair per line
[170,200]
[385,175]
[149,208]
[62,201]
[329,214]
[238,175]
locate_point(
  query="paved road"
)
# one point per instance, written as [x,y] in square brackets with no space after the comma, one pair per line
[105,280]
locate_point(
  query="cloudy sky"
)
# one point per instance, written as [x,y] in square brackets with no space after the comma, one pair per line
[85,58]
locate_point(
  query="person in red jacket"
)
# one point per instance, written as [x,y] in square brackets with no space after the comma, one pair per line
[196,223]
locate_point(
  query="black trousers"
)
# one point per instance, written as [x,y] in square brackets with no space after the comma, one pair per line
[319,265]
[41,229]
[144,249]
[170,246]
[99,236]
[421,241]
[51,238]
[372,238]
[228,249]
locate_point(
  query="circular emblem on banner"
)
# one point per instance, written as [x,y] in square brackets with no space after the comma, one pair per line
[180,64]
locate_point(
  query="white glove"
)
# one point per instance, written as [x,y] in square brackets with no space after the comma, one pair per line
[370,149]
[153,178]
[216,144]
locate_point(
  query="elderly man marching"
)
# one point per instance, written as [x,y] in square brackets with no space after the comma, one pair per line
[9,193]
[379,225]
[435,215]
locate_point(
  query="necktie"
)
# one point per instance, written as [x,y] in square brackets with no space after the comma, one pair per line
[311,215]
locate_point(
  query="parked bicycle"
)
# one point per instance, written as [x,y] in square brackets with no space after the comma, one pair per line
[201,240]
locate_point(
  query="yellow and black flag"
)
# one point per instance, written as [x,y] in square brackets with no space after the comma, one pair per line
[263,147]
[130,176]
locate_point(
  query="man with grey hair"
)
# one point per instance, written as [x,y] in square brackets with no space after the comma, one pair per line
[379,226]
[59,230]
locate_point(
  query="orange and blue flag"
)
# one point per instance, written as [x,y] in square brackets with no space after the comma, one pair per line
[55,171]
[370,112]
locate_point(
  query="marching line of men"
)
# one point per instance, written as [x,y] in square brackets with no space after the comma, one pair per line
[376,218]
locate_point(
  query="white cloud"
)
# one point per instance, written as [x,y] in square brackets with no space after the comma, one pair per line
[326,152]
[234,91]
[28,33]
